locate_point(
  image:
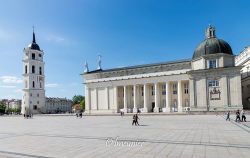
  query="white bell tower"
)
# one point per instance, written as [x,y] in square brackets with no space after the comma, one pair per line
[33,101]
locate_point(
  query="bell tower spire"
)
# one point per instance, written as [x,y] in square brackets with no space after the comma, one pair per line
[34,36]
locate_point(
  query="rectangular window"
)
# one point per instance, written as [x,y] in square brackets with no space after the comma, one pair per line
[33,56]
[26,69]
[132,91]
[34,107]
[214,83]
[163,89]
[40,70]
[33,69]
[40,55]
[153,90]
[185,88]
[212,64]
[174,88]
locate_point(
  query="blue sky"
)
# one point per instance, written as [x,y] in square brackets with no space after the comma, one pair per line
[124,32]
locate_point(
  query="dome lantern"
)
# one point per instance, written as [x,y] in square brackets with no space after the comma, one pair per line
[210,32]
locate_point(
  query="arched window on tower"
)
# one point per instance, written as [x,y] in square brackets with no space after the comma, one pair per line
[33,69]
[40,84]
[26,69]
[33,84]
[40,70]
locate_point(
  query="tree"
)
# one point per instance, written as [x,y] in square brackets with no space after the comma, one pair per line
[2,107]
[77,99]
[82,107]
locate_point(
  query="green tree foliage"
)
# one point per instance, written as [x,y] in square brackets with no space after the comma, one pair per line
[14,110]
[82,107]
[2,107]
[77,99]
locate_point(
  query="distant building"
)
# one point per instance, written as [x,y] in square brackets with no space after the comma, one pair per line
[12,103]
[15,104]
[76,107]
[57,105]
[243,59]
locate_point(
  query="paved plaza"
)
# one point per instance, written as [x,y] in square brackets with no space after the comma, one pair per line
[184,136]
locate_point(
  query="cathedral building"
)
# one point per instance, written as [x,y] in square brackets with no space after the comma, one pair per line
[243,59]
[33,101]
[209,81]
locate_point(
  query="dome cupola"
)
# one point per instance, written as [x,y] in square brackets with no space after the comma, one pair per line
[212,45]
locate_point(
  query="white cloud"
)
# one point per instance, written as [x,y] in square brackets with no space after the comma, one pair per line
[11,79]
[18,91]
[55,38]
[5,86]
[73,84]
[52,85]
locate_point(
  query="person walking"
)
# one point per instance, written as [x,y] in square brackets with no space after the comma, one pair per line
[243,116]
[228,116]
[237,115]
[134,120]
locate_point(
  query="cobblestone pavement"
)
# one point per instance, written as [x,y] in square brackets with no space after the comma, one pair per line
[186,136]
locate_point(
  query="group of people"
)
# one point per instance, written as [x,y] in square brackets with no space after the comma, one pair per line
[79,114]
[27,116]
[135,120]
[240,116]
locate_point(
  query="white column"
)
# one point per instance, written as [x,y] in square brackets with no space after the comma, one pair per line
[135,99]
[125,99]
[107,98]
[116,99]
[87,99]
[96,98]
[156,109]
[179,96]
[145,95]
[224,91]
[167,97]
[192,99]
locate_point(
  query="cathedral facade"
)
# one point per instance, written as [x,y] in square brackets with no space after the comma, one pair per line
[209,81]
